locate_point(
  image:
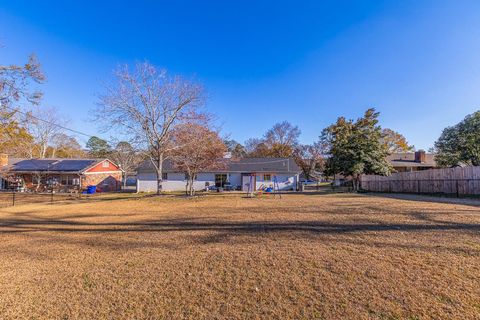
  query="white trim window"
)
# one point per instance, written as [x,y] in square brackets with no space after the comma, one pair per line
[105,164]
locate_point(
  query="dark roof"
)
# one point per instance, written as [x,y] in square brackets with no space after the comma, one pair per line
[407,159]
[244,165]
[52,165]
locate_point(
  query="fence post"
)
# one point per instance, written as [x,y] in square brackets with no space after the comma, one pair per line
[418,186]
[458,192]
[13,197]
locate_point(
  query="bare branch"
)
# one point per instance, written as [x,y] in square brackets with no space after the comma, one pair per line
[145,105]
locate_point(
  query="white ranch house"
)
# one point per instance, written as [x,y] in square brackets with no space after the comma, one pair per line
[237,173]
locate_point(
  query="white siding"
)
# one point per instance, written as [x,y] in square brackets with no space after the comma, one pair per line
[285,181]
[147,181]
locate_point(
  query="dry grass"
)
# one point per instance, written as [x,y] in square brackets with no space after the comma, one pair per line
[304,256]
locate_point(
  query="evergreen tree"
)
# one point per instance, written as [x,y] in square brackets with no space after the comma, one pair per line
[98,148]
[460,144]
[356,148]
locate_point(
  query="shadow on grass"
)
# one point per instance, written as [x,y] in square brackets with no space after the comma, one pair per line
[191,232]
[59,225]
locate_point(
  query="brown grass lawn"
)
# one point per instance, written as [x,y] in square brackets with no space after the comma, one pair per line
[300,257]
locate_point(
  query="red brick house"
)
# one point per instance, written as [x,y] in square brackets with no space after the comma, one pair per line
[61,175]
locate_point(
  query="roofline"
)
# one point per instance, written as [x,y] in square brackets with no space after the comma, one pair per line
[239,161]
[413,164]
[42,171]
[8,168]
[98,162]
[58,172]
[224,171]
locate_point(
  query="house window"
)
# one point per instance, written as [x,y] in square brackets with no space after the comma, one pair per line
[220,180]
[267,177]
[69,181]
[164,176]
[105,164]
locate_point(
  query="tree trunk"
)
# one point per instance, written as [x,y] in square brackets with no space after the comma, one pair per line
[191,191]
[356,183]
[159,174]
[43,151]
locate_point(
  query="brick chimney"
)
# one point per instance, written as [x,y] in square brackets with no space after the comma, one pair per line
[3,159]
[420,156]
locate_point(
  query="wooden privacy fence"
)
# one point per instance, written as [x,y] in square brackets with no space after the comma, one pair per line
[449,181]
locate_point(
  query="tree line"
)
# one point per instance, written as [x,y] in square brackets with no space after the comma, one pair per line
[160,116]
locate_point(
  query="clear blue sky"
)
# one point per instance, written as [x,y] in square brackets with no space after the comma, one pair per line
[417,62]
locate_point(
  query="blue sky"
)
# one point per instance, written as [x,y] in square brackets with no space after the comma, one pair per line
[308,62]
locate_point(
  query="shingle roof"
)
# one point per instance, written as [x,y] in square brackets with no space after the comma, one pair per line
[245,165]
[407,159]
[53,165]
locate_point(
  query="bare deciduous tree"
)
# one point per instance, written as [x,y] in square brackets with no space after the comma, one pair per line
[145,104]
[256,147]
[15,81]
[283,133]
[279,141]
[44,124]
[200,149]
[310,158]
[126,157]
[65,146]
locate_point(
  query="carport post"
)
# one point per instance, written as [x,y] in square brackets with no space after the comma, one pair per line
[13,197]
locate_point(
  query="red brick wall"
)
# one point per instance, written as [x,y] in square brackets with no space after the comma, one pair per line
[104,181]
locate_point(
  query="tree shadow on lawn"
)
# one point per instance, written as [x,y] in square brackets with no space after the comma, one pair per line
[175,236]
[188,232]
[9,225]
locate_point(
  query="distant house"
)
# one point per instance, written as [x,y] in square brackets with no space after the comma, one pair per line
[412,161]
[59,174]
[236,175]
